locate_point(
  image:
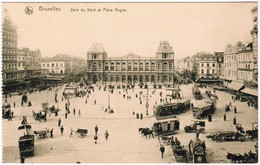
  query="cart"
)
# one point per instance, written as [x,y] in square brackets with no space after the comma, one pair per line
[40,134]
[197,126]
[82,132]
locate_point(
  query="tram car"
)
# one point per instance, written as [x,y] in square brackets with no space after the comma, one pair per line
[6,110]
[166,126]
[26,141]
[196,93]
[203,111]
[70,91]
[171,109]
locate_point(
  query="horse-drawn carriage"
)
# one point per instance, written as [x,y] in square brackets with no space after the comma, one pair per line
[82,132]
[48,109]
[197,126]
[249,157]
[26,141]
[6,110]
[40,134]
[166,126]
[180,153]
[39,116]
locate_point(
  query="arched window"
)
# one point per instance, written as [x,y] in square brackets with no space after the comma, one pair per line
[135,66]
[165,66]
[94,66]
[123,66]
[129,66]
[141,66]
[112,66]
[147,66]
[153,66]
[118,66]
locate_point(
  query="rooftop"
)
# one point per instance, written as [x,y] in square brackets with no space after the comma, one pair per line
[97,48]
[164,47]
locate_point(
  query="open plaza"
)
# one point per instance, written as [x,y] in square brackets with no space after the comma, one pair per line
[124,143]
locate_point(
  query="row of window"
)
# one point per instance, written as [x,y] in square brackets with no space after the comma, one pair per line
[14,75]
[208,71]
[10,51]
[208,65]
[245,66]
[9,66]
[244,56]
[10,58]
[9,44]
[8,36]
[245,75]
[230,73]
[52,65]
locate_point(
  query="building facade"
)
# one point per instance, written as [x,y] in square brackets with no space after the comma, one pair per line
[11,73]
[53,66]
[254,33]
[220,63]
[245,64]
[130,68]
[208,65]
[231,60]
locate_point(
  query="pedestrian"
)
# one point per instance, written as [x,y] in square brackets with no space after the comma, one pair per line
[66,115]
[106,135]
[51,133]
[141,116]
[235,109]
[10,116]
[95,102]
[14,104]
[133,112]
[86,101]
[59,122]
[162,149]
[234,121]
[79,112]
[61,130]
[71,132]
[96,130]
[95,139]
[225,117]
[22,159]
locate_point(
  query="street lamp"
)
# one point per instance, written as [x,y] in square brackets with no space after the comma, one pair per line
[108,91]
[147,104]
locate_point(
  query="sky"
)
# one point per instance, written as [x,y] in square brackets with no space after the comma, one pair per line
[188,27]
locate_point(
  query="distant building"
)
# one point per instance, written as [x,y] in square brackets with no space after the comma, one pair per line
[11,72]
[59,64]
[130,68]
[220,63]
[245,64]
[208,66]
[254,33]
[231,61]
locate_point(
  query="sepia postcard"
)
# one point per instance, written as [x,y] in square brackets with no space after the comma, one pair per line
[130,82]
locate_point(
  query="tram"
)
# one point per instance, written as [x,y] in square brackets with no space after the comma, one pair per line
[171,109]
[202,111]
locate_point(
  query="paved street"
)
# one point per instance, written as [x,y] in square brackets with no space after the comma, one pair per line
[125,144]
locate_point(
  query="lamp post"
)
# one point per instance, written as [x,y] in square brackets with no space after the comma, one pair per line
[147,104]
[108,91]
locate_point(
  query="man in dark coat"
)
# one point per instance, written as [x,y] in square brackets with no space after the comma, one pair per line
[162,150]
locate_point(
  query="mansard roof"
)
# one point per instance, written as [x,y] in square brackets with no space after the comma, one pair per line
[164,47]
[97,48]
[131,55]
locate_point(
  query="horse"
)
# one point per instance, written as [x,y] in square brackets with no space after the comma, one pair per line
[235,157]
[252,133]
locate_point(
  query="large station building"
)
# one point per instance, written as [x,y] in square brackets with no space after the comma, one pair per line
[131,68]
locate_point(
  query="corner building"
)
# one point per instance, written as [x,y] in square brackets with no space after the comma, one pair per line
[131,68]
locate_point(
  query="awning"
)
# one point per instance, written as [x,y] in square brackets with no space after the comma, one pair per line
[250,91]
[236,85]
[53,78]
